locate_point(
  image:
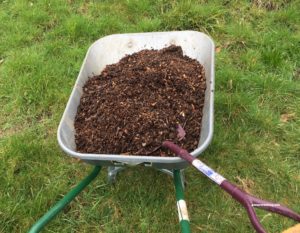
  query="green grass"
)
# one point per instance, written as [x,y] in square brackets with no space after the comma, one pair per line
[257,116]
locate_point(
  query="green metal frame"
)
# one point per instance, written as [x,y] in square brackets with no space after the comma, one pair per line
[182,210]
[40,224]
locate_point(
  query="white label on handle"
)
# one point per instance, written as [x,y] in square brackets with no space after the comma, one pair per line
[182,210]
[210,173]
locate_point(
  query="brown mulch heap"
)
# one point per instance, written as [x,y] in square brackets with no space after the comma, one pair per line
[141,101]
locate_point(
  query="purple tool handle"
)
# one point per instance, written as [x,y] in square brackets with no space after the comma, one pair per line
[247,200]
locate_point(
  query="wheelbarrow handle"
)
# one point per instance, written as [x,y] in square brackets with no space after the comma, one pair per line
[248,201]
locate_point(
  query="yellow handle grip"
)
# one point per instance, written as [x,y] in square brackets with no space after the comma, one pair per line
[294,229]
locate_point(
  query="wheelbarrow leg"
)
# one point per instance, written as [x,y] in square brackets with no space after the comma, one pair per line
[171,173]
[112,173]
[181,204]
[39,225]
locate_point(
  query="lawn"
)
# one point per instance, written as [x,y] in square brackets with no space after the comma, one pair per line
[257,116]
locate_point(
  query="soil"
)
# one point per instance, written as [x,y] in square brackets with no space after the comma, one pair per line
[144,99]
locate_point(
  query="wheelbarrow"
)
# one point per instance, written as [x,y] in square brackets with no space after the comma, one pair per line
[109,50]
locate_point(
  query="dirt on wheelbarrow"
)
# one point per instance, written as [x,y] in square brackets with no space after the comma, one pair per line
[141,101]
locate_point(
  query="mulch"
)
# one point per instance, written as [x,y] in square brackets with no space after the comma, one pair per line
[144,99]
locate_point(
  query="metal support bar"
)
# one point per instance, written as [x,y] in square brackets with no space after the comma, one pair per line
[181,204]
[40,224]
[112,173]
[166,171]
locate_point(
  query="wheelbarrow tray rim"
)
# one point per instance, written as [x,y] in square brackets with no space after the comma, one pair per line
[117,46]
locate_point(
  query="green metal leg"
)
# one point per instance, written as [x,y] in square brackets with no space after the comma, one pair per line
[39,225]
[181,204]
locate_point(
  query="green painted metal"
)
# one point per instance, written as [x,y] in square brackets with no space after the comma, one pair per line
[40,224]
[184,224]
[178,185]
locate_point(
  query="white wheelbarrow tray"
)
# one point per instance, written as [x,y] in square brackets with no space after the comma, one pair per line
[111,49]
